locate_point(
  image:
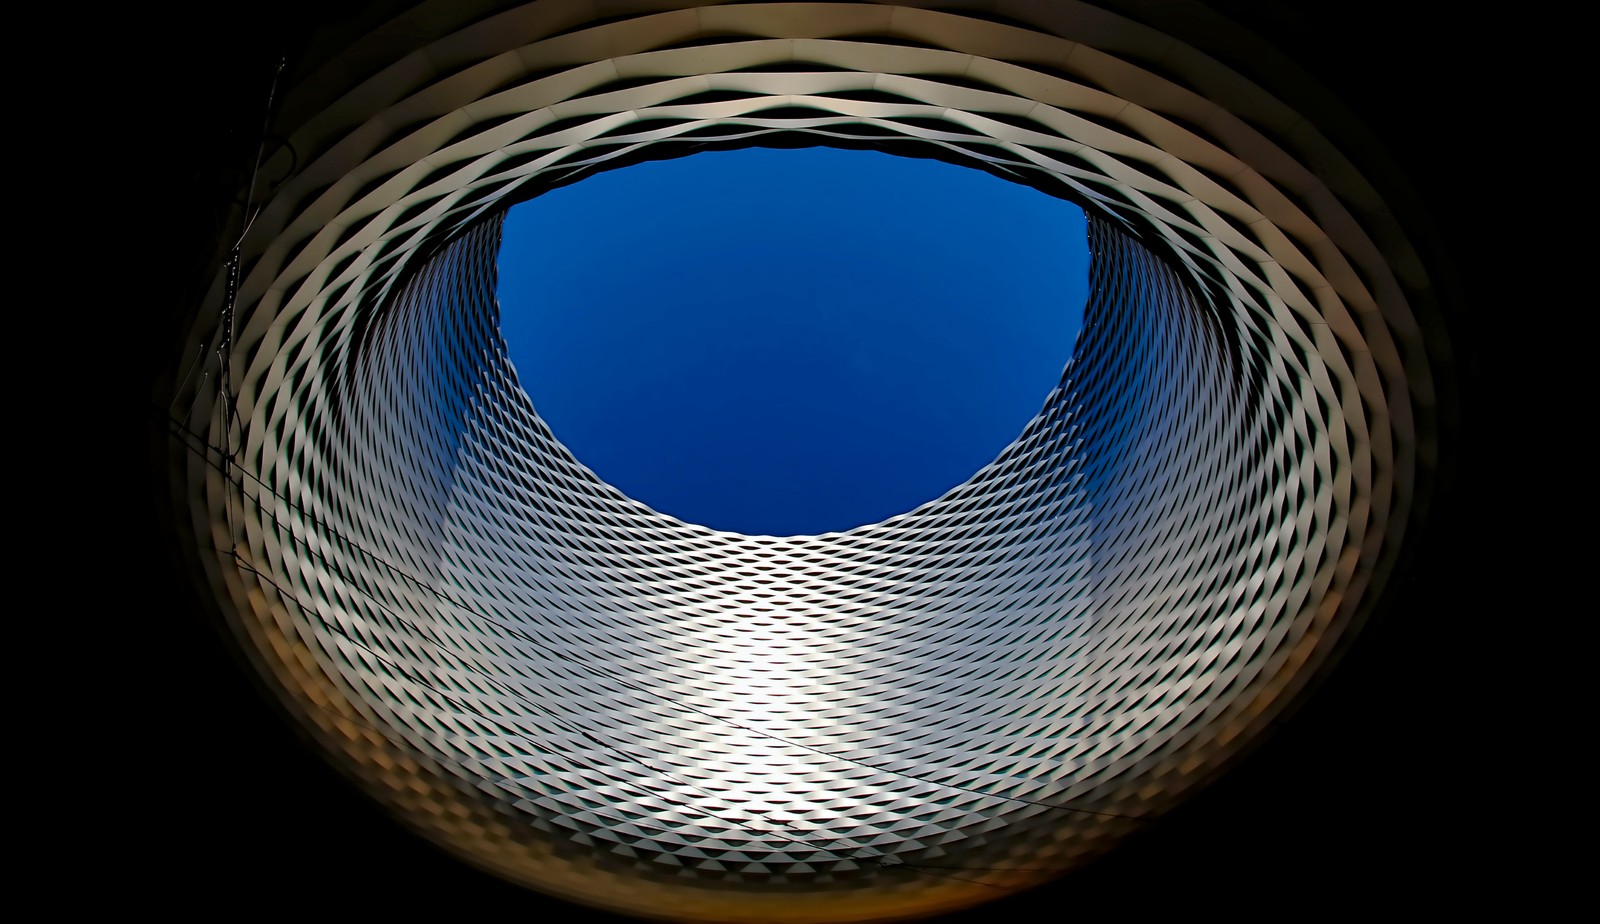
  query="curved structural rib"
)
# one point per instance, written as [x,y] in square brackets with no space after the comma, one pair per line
[586,696]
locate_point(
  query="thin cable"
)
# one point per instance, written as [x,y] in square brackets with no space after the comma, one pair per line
[183,383]
[255,169]
[233,251]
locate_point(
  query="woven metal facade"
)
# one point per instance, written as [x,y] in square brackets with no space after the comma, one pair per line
[597,700]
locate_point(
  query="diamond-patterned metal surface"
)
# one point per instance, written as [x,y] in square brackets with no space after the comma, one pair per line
[603,702]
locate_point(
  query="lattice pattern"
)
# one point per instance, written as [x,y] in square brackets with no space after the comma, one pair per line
[596,699]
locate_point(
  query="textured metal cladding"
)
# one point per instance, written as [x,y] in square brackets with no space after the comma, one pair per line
[584,695]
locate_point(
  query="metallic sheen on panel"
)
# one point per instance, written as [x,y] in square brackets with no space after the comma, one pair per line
[586,696]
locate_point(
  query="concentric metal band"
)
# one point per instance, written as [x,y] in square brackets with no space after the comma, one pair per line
[592,698]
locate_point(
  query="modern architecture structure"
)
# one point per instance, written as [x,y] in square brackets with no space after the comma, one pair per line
[559,685]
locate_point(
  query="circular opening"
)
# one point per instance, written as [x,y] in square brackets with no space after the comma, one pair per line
[790,342]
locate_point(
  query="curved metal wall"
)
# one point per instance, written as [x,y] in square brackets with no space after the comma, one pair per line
[592,698]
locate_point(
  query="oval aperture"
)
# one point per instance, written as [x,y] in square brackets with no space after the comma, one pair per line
[788,342]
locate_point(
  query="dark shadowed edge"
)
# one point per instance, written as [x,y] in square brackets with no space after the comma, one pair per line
[1378,790]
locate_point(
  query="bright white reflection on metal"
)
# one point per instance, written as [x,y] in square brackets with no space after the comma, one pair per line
[542,675]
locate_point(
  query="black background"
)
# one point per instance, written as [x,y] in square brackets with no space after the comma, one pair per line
[1380,791]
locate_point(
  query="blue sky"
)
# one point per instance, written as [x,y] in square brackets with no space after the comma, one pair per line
[786,342]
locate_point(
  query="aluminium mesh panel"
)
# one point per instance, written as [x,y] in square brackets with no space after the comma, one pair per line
[590,697]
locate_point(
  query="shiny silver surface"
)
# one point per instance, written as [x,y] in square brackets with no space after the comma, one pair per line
[597,700]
